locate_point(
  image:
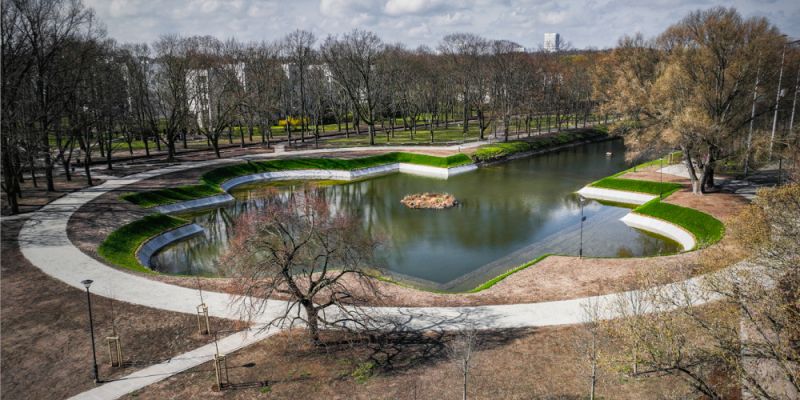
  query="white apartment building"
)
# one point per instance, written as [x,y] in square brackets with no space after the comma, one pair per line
[552,42]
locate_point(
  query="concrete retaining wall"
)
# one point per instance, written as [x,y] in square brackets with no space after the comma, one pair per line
[212,201]
[617,196]
[661,227]
[150,247]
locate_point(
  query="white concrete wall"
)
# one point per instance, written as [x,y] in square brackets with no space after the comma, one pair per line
[617,196]
[193,204]
[153,245]
[661,227]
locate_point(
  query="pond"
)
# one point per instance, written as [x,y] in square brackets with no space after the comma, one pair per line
[508,214]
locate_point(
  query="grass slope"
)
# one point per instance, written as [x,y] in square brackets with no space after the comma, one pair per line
[705,228]
[636,185]
[120,246]
[496,151]
[212,179]
[171,195]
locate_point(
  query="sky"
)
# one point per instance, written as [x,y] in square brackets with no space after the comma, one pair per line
[584,24]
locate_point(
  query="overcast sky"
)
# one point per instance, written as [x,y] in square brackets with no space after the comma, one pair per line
[595,23]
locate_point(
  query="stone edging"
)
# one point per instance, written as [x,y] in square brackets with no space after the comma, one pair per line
[661,227]
[151,246]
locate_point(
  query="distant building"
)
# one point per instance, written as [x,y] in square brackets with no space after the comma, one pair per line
[552,42]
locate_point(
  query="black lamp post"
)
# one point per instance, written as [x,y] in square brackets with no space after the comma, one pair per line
[661,171]
[581,200]
[86,283]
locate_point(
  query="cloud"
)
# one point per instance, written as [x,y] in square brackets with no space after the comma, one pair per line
[345,8]
[596,23]
[411,7]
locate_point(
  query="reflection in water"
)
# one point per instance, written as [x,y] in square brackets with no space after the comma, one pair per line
[508,214]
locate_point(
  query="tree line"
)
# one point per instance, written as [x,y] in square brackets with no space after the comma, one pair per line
[719,87]
[70,92]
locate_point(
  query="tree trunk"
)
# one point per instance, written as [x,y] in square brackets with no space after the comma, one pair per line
[215,144]
[312,321]
[690,168]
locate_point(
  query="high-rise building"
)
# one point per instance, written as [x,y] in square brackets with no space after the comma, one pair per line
[552,41]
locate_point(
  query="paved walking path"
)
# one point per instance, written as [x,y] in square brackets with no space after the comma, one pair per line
[154,373]
[44,242]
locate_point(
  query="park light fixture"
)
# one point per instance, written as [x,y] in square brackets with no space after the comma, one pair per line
[581,200]
[87,283]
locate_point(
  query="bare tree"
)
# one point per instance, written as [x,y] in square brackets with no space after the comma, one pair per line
[462,350]
[298,50]
[172,95]
[299,249]
[353,61]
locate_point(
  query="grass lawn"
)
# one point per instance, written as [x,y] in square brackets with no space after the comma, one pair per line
[705,228]
[496,151]
[171,195]
[637,185]
[120,246]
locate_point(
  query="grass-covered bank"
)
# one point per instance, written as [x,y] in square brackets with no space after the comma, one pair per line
[120,246]
[637,185]
[498,151]
[212,180]
[706,229]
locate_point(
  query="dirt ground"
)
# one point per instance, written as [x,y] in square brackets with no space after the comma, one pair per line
[34,198]
[45,347]
[545,363]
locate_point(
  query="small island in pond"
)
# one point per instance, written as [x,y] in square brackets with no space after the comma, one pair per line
[435,201]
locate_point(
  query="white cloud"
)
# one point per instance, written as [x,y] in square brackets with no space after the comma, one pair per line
[405,7]
[344,8]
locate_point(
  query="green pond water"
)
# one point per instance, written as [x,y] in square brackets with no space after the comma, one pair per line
[508,214]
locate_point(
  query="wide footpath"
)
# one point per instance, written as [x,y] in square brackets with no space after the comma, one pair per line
[43,240]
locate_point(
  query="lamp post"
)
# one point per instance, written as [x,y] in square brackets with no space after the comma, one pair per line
[581,200]
[661,172]
[777,100]
[86,283]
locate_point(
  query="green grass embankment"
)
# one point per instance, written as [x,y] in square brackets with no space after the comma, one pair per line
[211,180]
[120,246]
[496,151]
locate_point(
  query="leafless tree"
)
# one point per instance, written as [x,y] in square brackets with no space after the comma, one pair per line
[297,248]
[353,60]
[461,350]
[299,52]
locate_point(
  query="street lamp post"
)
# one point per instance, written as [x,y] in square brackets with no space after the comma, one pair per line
[777,100]
[581,200]
[86,283]
[661,172]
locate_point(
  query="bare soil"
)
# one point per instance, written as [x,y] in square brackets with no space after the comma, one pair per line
[34,197]
[513,364]
[46,351]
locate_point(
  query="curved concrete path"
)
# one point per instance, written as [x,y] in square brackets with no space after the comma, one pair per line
[44,242]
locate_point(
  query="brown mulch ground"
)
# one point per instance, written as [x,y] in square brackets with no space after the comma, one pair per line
[512,364]
[46,351]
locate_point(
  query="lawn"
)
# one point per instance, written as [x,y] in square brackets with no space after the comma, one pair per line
[120,246]
[637,185]
[497,151]
[705,228]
